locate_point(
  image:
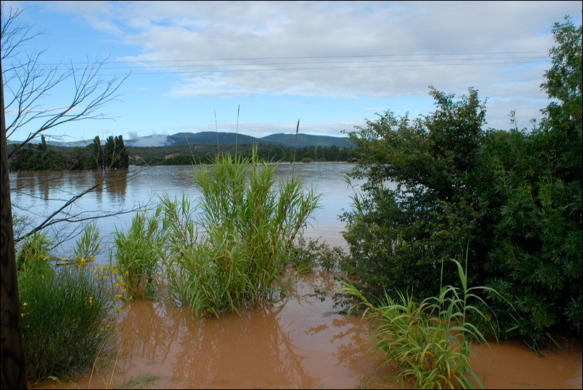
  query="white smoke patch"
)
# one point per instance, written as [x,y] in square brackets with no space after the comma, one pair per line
[150,140]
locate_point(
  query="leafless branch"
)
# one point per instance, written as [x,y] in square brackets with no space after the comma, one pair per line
[27,82]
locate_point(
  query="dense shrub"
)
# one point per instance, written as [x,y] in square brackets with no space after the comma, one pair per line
[440,183]
[67,313]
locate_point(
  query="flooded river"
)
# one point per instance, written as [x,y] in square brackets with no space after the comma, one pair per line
[299,341]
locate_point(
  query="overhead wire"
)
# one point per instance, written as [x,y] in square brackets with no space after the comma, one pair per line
[266,64]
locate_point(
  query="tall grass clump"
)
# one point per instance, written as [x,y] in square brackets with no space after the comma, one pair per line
[137,254]
[248,224]
[35,253]
[429,341]
[67,315]
[88,245]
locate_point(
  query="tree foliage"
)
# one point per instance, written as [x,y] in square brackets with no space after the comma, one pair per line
[49,158]
[440,186]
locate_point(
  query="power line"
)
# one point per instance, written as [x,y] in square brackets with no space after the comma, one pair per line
[321,63]
[307,57]
[391,62]
[203,71]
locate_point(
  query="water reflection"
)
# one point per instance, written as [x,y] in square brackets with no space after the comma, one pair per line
[297,342]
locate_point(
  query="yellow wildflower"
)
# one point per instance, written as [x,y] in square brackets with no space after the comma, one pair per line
[24,304]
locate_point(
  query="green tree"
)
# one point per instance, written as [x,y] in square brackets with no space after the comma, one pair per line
[399,234]
[441,187]
[109,153]
[97,154]
[43,144]
[122,157]
[535,254]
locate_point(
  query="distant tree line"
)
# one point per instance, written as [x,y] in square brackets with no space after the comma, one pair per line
[42,157]
[204,154]
[115,155]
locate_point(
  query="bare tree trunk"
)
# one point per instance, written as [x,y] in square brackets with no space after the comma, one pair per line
[12,369]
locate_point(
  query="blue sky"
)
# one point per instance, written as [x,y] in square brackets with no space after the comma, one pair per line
[330,64]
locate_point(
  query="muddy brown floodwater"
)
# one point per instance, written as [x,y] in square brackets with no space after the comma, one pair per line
[302,341]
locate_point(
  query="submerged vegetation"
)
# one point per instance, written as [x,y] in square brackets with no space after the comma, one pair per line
[429,340]
[228,256]
[249,224]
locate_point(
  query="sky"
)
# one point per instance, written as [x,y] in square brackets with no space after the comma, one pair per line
[256,68]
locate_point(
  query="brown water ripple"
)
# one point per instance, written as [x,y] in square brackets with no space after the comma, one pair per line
[302,341]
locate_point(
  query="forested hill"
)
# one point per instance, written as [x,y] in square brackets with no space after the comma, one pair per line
[226,138]
[304,140]
[209,138]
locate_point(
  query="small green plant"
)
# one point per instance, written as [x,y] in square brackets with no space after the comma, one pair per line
[248,227]
[429,341]
[35,254]
[88,245]
[137,254]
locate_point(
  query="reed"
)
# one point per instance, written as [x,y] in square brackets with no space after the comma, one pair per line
[88,245]
[429,341]
[249,224]
[138,253]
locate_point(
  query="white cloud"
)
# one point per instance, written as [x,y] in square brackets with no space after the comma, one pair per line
[239,30]
[246,49]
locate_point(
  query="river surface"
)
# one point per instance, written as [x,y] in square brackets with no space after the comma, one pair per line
[300,341]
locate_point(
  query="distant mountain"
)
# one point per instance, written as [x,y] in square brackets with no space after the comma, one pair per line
[308,140]
[210,138]
[223,138]
[226,138]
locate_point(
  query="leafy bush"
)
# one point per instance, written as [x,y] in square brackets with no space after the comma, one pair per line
[67,313]
[440,182]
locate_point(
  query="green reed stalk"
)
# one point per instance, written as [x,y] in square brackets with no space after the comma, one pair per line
[249,225]
[429,341]
[138,253]
[88,245]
